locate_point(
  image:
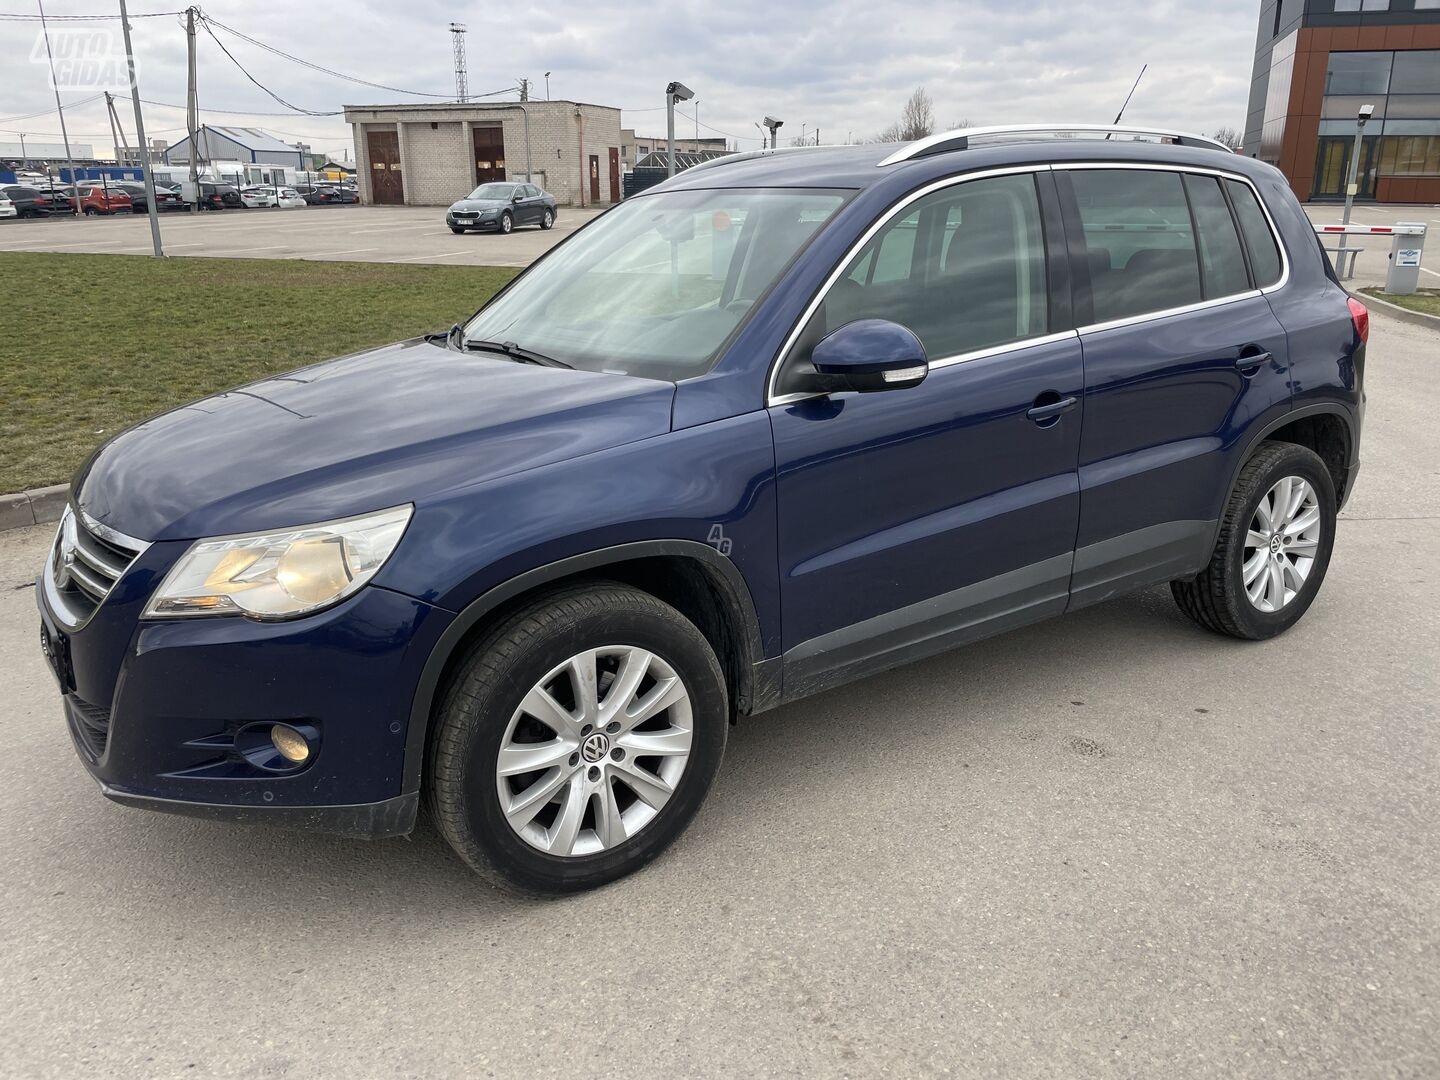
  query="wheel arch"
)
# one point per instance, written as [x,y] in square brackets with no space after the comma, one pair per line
[690,576]
[1328,429]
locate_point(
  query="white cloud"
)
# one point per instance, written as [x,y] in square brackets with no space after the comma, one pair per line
[845,66]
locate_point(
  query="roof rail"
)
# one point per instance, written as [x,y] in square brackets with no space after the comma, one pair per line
[747,155]
[946,141]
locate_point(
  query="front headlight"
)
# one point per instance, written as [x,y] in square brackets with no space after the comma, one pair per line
[281,574]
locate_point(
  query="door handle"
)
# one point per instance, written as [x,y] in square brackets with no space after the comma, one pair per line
[1051,410]
[1249,360]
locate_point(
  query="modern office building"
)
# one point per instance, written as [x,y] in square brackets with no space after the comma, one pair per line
[1316,63]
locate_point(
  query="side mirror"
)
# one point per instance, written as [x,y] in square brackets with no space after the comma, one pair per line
[869,355]
[516,197]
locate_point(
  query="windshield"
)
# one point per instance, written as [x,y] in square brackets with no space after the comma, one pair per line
[493,191]
[655,286]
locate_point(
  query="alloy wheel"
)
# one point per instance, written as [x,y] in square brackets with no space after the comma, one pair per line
[1281,544]
[595,751]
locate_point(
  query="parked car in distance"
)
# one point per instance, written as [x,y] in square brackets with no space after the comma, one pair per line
[219,197]
[341,193]
[7,208]
[501,207]
[291,199]
[316,194]
[59,199]
[533,568]
[166,198]
[259,197]
[104,199]
[30,202]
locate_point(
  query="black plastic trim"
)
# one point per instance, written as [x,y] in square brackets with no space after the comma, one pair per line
[758,689]
[369,821]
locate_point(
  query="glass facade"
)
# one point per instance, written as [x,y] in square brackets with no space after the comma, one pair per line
[1402,138]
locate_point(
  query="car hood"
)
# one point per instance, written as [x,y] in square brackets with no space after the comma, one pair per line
[402,423]
[479,204]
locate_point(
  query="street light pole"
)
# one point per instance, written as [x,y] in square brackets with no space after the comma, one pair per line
[60,109]
[151,204]
[675,91]
[1351,186]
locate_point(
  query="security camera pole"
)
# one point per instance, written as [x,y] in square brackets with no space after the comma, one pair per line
[1351,186]
[774,126]
[676,91]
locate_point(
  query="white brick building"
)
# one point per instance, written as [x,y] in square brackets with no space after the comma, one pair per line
[431,155]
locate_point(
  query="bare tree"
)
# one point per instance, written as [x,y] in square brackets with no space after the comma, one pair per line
[917,119]
[1229,136]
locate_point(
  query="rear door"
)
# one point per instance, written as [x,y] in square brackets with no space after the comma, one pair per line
[914,519]
[1183,356]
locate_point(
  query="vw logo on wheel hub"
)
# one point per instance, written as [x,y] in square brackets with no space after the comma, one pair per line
[595,747]
[1275,544]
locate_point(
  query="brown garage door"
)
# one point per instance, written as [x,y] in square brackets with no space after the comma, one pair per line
[387,186]
[489,154]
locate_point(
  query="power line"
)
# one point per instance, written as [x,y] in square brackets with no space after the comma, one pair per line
[6,16]
[51,112]
[296,108]
[238,112]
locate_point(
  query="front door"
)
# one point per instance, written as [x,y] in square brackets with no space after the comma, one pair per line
[387,186]
[912,520]
[489,153]
[1182,358]
[614,174]
[594,179]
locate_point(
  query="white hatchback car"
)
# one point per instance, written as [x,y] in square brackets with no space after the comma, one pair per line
[290,199]
[7,208]
[258,197]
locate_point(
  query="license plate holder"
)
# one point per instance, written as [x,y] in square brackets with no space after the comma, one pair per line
[55,647]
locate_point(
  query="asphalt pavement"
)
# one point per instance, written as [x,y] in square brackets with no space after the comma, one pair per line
[1109,845]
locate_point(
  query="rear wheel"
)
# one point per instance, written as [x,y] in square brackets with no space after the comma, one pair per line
[1273,550]
[577,740]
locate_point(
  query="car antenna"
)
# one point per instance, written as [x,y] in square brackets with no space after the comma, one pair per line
[1126,103]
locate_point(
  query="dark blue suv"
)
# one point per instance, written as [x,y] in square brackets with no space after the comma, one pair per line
[787,420]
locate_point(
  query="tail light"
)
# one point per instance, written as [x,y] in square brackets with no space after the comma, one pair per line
[1360,316]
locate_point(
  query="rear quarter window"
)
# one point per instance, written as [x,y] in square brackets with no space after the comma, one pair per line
[1259,239]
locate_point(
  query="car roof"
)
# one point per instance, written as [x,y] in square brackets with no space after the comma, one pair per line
[860,167]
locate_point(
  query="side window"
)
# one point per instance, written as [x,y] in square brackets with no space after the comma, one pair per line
[1222,263]
[1259,240]
[1140,243]
[964,268]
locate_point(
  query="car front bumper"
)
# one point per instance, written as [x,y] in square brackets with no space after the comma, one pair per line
[160,710]
[472,223]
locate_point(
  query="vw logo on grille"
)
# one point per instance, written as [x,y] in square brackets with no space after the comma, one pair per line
[595,747]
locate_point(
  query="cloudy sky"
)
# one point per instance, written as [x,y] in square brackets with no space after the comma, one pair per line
[845,66]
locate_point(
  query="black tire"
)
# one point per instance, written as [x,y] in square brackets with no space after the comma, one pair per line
[90,211]
[456,230]
[1216,598]
[484,692]
[506,222]
[547,219]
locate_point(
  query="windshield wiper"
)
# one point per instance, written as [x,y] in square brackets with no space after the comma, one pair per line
[514,352]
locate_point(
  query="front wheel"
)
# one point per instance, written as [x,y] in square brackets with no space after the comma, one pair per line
[547,219]
[1273,550]
[506,222]
[577,740]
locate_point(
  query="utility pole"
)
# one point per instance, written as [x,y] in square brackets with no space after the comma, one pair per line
[154,207]
[117,126]
[24,158]
[74,181]
[524,89]
[192,112]
[547,86]
[462,77]
[114,138]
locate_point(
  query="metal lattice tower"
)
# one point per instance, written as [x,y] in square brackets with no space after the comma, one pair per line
[462,79]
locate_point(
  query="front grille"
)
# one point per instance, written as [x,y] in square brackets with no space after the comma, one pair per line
[91,725]
[86,562]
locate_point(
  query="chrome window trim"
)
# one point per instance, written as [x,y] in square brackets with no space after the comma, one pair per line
[1201,170]
[771,398]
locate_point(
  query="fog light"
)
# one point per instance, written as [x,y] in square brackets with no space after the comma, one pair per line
[291,745]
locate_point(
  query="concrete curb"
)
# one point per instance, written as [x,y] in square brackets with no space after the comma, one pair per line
[1419,318]
[35,507]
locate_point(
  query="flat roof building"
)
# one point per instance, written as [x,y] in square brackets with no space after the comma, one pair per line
[1316,63]
[431,155]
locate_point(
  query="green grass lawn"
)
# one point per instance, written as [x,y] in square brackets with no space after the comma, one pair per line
[90,344]
[1426,300]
